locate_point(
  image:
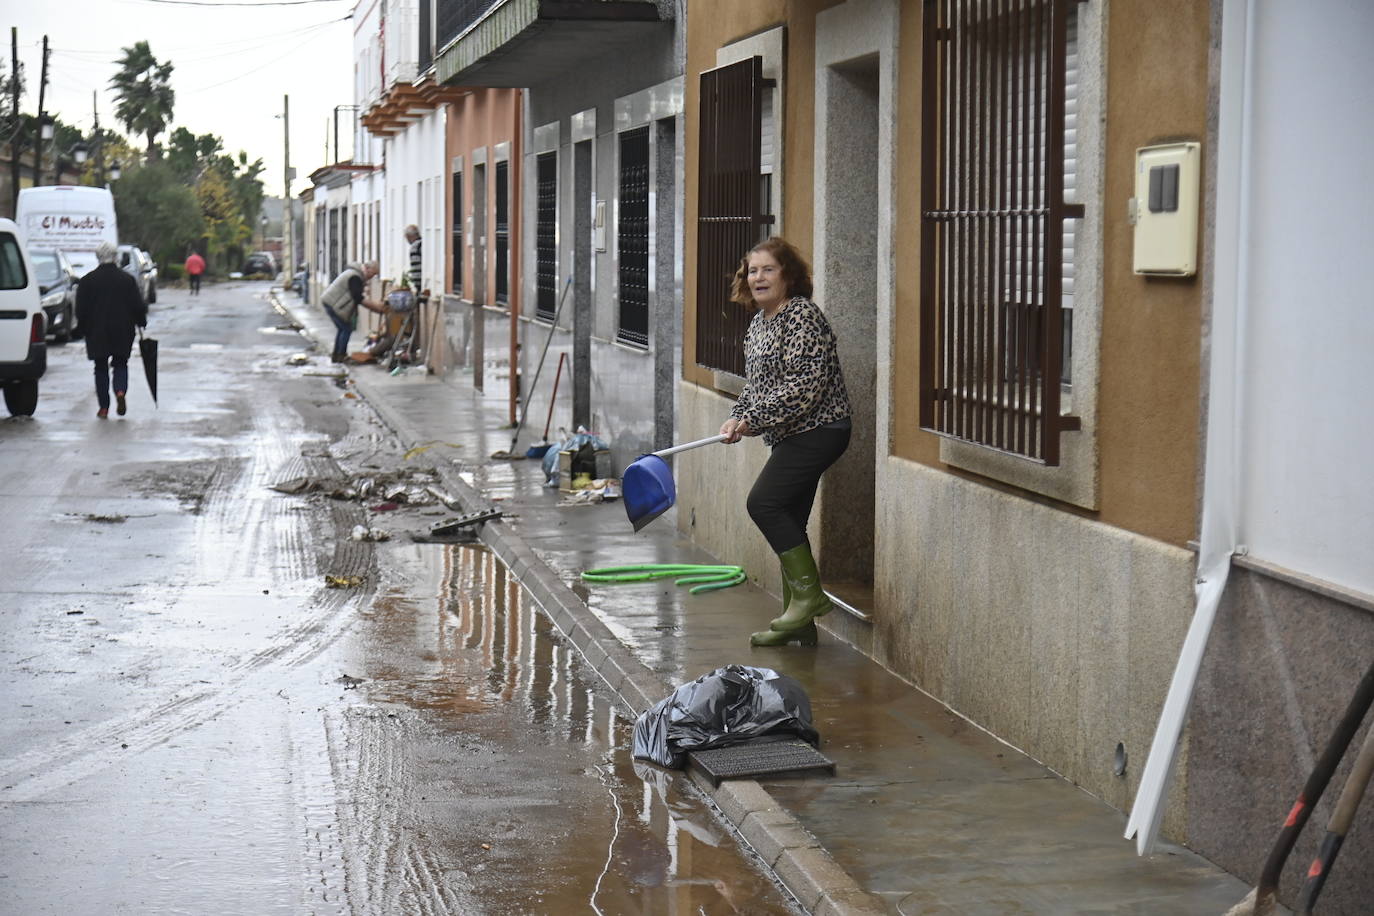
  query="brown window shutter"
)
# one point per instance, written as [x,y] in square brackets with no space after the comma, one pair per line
[728,204]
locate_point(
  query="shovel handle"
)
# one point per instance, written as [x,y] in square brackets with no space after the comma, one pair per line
[710,440]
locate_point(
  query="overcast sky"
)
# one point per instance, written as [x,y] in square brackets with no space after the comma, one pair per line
[232,66]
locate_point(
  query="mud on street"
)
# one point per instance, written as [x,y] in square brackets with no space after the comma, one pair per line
[221,697]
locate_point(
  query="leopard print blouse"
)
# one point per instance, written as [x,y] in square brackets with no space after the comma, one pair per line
[794,383]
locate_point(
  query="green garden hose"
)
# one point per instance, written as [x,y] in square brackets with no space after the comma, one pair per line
[710,577]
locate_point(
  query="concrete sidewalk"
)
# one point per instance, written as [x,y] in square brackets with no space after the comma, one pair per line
[927,813]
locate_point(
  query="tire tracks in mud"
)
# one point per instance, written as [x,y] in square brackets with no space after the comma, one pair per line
[39,772]
[386,866]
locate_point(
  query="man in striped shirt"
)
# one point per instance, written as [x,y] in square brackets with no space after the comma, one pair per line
[413,237]
[413,278]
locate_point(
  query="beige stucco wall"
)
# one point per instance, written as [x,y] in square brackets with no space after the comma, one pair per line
[1055,627]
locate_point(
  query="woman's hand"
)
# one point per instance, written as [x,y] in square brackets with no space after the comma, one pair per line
[732,429]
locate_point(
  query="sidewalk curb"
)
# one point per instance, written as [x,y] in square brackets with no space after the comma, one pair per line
[788,849]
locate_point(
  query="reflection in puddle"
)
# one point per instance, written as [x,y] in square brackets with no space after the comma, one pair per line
[490,773]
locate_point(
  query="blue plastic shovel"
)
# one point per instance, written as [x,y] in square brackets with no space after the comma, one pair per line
[647,484]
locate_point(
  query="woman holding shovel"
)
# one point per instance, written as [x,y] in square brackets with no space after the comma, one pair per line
[795,398]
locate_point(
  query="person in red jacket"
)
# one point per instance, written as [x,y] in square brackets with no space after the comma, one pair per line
[195,266]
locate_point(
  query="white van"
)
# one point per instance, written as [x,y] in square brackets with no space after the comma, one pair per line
[23,327]
[73,219]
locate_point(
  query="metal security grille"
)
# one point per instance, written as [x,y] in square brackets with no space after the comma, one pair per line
[993,218]
[453,17]
[546,236]
[632,237]
[729,217]
[457,232]
[503,232]
[333,243]
[426,30]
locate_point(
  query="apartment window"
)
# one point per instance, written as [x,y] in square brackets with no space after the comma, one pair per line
[632,237]
[730,205]
[546,236]
[503,233]
[998,155]
[457,232]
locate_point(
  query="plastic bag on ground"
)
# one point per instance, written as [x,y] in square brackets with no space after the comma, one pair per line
[729,706]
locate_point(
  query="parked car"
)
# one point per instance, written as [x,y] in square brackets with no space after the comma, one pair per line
[137,264]
[57,281]
[23,326]
[260,262]
[152,275]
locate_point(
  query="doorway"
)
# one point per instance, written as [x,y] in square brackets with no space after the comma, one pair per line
[850,268]
[478,238]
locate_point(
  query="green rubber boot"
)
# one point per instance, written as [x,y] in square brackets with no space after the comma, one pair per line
[806,636]
[803,580]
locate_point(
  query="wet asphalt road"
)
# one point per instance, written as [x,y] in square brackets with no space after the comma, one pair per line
[192,722]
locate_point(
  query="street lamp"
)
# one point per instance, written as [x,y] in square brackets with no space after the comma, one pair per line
[115,170]
[263,220]
[80,153]
[45,129]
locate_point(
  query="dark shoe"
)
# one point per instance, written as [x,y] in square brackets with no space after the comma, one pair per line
[806,636]
[808,600]
[120,407]
[103,412]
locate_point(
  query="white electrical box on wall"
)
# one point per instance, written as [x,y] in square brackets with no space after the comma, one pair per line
[1165,209]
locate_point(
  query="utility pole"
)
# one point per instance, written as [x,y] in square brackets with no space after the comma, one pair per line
[17,137]
[287,243]
[38,141]
[96,139]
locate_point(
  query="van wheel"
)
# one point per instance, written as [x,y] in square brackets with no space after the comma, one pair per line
[152,293]
[22,398]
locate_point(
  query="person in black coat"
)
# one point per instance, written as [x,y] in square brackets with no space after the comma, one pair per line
[108,307]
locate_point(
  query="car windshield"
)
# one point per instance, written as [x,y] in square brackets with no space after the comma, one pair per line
[45,267]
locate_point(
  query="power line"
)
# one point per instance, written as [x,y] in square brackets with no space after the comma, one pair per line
[269,63]
[106,59]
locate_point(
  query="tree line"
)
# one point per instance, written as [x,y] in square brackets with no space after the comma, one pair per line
[187,193]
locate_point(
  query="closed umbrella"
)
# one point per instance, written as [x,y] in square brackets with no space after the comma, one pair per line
[147,350]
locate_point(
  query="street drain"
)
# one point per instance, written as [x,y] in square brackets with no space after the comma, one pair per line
[761,757]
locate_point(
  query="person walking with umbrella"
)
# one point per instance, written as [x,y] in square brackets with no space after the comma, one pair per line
[795,398]
[108,308]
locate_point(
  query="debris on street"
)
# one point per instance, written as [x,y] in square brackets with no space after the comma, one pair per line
[343,581]
[364,533]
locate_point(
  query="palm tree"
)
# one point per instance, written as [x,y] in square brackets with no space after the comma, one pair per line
[144,93]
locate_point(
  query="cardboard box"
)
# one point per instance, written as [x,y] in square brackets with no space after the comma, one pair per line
[604,468]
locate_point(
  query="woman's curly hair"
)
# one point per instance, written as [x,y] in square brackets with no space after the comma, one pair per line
[796,273]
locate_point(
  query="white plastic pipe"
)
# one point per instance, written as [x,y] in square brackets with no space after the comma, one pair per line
[1225,398]
[709,440]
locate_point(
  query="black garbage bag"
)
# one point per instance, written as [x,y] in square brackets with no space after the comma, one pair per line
[730,705]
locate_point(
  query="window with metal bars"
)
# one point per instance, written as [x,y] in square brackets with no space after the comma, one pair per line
[457,233]
[996,229]
[333,243]
[632,237]
[546,236]
[503,233]
[730,205]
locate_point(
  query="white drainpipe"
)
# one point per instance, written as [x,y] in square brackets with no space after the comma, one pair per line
[1225,401]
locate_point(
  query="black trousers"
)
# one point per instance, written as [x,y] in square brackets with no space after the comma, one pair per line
[782,496]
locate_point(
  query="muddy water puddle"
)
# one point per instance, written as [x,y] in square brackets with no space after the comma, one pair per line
[487,771]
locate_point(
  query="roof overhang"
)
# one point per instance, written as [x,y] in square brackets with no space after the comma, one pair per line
[520,43]
[405,103]
[339,173]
